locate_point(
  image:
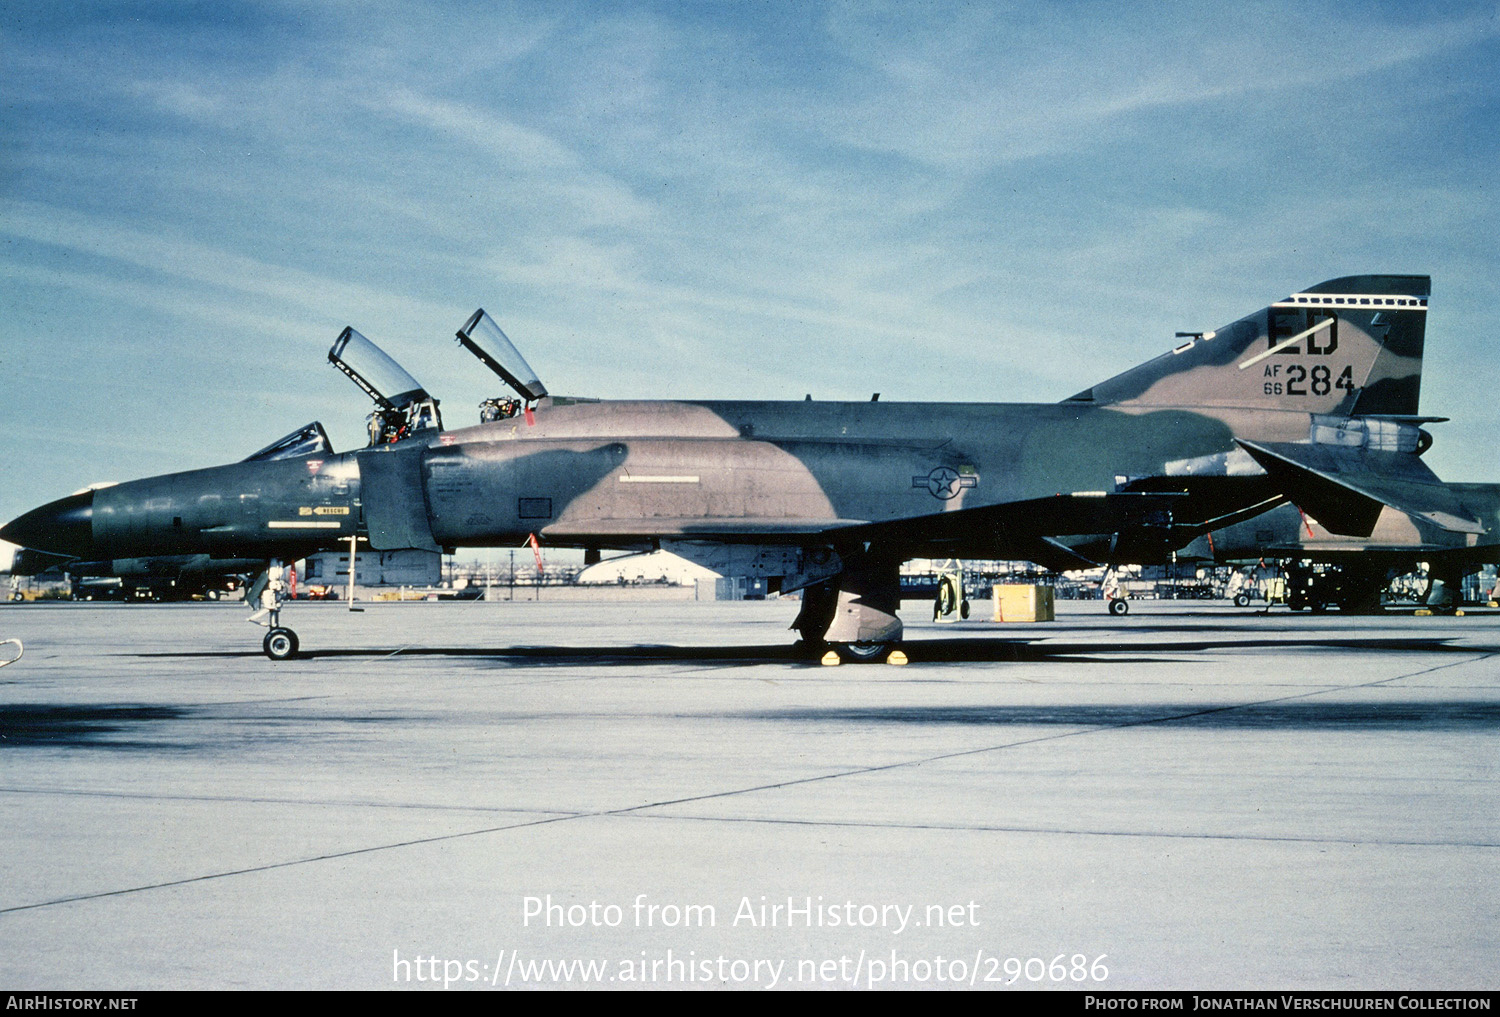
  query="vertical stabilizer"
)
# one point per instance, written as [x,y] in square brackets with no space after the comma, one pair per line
[1342,347]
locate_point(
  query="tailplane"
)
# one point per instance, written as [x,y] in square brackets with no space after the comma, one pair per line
[1350,346]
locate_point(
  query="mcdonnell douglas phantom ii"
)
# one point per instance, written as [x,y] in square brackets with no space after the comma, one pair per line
[1312,399]
[1327,570]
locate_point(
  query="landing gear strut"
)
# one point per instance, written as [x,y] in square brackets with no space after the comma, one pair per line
[818,604]
[268,591]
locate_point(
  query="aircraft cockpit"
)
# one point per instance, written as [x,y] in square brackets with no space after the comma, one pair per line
[310,440]
[483,338]
[402,405]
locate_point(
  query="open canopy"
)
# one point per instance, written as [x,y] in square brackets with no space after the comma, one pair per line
[373,370]
[483,338]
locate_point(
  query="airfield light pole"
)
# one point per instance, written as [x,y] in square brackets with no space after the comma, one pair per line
[512,574]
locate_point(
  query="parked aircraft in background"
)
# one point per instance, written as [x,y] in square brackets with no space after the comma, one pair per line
[1352,572]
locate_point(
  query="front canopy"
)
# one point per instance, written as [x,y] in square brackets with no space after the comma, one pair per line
[373,370]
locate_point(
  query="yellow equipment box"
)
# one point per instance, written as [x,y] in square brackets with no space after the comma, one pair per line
[1023,603]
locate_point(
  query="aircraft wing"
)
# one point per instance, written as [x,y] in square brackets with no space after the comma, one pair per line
[741,529]
[1345,488]
[1018,530]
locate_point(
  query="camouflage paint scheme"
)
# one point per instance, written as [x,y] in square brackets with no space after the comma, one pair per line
[1399,542]
[832,496]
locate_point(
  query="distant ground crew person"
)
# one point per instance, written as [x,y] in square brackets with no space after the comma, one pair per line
[270,599]
[1276,589]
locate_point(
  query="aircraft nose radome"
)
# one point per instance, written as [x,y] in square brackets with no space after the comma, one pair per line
[65,526]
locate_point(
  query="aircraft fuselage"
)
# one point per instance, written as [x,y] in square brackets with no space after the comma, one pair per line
[614,473]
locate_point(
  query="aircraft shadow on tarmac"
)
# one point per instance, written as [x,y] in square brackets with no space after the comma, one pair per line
[1104,650]
[124,727]
[1301,715]
[103,725]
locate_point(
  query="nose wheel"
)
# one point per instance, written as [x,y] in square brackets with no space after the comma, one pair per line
[280,644]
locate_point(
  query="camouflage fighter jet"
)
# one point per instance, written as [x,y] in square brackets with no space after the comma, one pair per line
[830,497]
[1352,572]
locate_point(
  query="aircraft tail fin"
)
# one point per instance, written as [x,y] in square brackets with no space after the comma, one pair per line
[1349,346]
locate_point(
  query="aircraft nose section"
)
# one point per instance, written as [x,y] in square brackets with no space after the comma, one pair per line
[65,526]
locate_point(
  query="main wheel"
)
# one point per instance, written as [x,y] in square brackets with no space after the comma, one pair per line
[864,653]
[280,644]
[1119,606]
[1242,600]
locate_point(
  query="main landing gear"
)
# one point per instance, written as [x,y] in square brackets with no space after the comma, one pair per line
[853,615]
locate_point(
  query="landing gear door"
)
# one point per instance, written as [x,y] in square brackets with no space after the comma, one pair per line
[395,504]
[483,338]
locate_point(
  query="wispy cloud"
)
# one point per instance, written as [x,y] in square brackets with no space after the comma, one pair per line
[186,261]
[984,89]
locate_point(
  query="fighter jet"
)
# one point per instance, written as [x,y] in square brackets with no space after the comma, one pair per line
[1315,394]
[1333,570]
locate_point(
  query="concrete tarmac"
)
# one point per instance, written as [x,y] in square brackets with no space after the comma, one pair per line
[477,795]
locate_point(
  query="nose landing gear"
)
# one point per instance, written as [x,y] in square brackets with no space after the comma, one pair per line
[268,590]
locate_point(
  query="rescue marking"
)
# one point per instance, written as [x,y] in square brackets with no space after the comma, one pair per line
[301,524]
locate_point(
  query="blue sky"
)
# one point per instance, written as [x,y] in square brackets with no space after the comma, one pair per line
[987,201]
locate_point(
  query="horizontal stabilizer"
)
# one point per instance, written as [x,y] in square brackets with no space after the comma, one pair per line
[1345,488]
